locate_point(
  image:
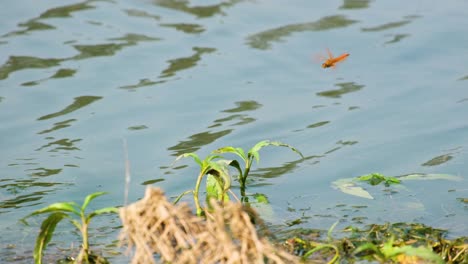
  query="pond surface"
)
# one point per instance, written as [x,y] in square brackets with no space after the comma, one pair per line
[78,77]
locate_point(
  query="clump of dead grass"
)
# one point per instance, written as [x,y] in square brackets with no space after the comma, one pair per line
[155,229]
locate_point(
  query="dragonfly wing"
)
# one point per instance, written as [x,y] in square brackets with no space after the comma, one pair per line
[330,55]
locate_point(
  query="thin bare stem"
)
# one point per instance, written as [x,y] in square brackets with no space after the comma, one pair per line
[127,171]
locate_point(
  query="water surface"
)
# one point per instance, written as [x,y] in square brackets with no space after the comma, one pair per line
[191,76]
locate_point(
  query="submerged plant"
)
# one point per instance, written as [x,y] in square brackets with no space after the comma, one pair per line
[216,168]
[75,213]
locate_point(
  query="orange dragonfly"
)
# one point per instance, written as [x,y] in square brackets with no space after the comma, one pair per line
[331,61]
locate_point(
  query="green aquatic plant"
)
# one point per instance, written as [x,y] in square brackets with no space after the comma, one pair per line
[75,213]
[216,168]
[306,249]
[252,154]
[377,178]
[353,186]
[391,251]
[218,181]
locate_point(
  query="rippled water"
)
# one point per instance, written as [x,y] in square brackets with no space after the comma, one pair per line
[178,76]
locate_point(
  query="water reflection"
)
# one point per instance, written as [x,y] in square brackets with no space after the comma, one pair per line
[199,11]
[386,26]
[186,28]
[196,141]
[397,38]
[140,13]
[63,11]
[261,174]
[286,168]
[78,103]
[262,40]
[318,124]
[438,160]
[20,201]
[17,63]
[58,126]
[109,49]
[43,172]
[180,64]
[345,88]
[60,73]
[14,187]
[464,78]
[61,144]
[141,83]
[355,4]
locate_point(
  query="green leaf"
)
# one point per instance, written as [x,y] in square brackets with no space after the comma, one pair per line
[191,154]
[253,152]
[281,144]
[330,231]
[349,187]
[45,235]
[101,211]
[261,198]
[59,207]
[421,252]
[89,198]
[238,151]
[215,188]
[224,173]
[235,164]
[259,145]
[371,247]
[377,178]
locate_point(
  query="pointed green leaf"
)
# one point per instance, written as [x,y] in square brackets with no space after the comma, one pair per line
[227,149]
[213,188]
[259,145]
[253,152]
[212,157]
[191,154]
[241,153]
[347,186]
[235,164]
[281,144]
[101,211]
[238,151]
[89,198]
[59,207]
[255,155]
[45,235]
[224,173]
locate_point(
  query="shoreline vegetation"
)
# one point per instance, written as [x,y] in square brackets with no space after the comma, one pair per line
[226,229]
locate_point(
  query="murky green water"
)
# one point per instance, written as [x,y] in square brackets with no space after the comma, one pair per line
[178,76]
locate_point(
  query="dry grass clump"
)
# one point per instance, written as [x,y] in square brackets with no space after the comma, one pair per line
[155,227]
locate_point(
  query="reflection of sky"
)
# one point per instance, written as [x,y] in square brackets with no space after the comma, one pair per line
[177,76]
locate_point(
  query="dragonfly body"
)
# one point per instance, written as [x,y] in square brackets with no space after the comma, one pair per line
[332,61]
